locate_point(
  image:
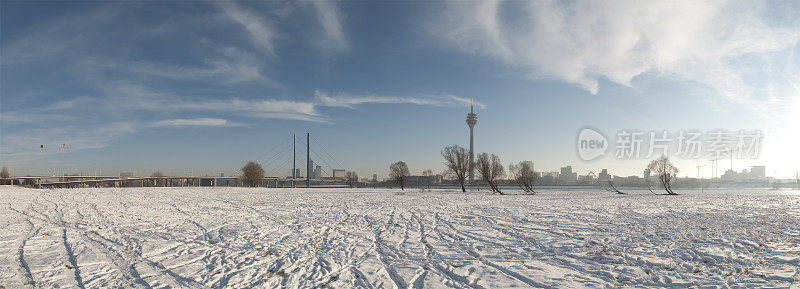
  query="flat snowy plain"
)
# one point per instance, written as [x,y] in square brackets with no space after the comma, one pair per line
[346,238]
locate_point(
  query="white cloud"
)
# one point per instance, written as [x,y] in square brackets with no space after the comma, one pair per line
[264,109]
[350,100]
[195,122]
[582,42]
[259,31]
[228,70]
[123,106]
[330,18]
[262,28]
[125,96]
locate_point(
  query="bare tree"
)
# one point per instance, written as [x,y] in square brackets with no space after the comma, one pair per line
[428,174]
[159,179]
[490,169]
[399,173]
[456,159]
[524,175]
[351,179]
[252,173]
[665,170]
[4,174]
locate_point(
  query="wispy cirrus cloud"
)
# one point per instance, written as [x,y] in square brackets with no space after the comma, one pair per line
[260,32]
[181,122]
[351,100]
[132,96]
[229,67]
[263,32]
[125,96]
[332,37]
[724,45]
[124,108]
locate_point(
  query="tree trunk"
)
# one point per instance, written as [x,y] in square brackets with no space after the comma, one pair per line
[670,189]
[494,188]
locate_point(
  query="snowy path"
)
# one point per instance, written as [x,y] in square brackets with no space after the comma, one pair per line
[244,238]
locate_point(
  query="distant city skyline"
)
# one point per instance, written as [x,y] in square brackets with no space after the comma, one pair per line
[208,86]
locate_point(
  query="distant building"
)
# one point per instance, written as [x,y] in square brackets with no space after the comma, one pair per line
[337,173]
[567,175]
[547,179]
[423,180]
[375,178]
[730,175]
[758,172]
[297,173]
[646,174]
[311,172]
[553,175]
[604,176]
[318,172]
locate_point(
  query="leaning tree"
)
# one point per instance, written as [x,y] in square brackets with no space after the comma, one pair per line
[456,159]
[490,169]
[524,176]
[665,171]
[252,173]
[399,173]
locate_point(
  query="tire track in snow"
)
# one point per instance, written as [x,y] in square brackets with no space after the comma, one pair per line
[441,270]
[26,270]
[508,272]
[396,279]
[133,249]
[70,254]
[351,260]
[419,279]
[23,269]
[187,218]
[129,273]
[68,257]
[546,251]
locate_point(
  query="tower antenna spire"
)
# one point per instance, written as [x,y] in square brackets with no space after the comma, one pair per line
[471,104]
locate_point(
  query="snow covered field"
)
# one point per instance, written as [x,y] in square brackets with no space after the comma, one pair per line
[241,238]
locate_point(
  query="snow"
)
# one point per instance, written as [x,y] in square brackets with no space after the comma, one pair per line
[375,238]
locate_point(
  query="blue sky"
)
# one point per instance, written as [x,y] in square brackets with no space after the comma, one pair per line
[174,86]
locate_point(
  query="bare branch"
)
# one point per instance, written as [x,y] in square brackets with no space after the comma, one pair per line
[456,159]
[490,169]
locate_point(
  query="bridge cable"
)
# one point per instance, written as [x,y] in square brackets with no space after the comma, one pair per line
[326,152]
